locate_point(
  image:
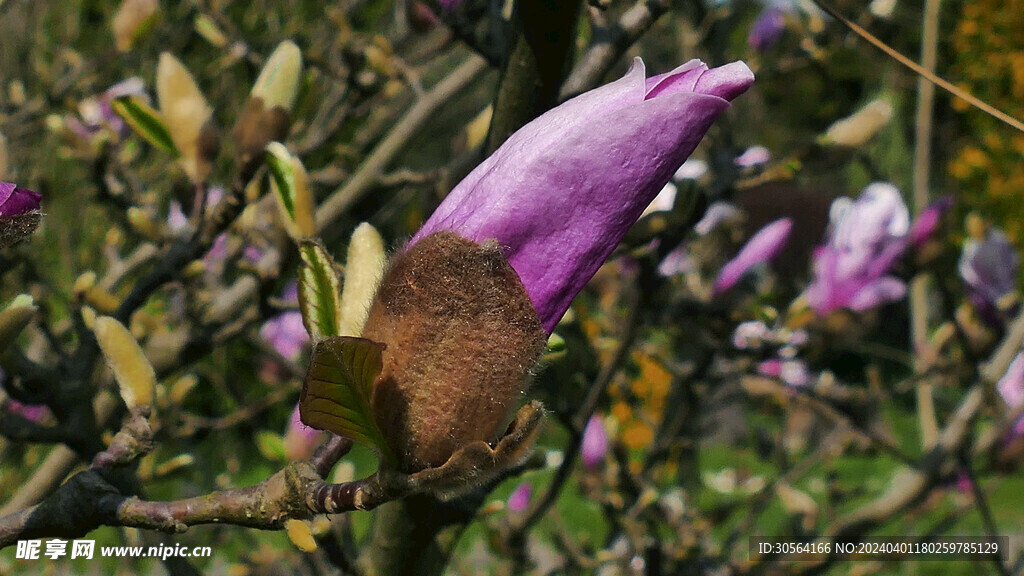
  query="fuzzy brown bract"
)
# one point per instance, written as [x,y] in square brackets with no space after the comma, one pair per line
[461,337]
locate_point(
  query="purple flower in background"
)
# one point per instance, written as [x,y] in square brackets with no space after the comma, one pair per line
[753,156]
[767,29]
[97,111]
[15,201]
[989,266]
[561,192]
[761,248]
[520,498]
[1011,388]
[928,221]
[286,332]
[867,238]
[595,443]
[300,441]
[750,335]
[791,371]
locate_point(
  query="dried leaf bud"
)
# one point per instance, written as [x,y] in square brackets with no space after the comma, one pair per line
[265,115]
[461,336]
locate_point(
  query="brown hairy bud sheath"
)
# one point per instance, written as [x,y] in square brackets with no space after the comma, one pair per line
[461,336]
[256,127]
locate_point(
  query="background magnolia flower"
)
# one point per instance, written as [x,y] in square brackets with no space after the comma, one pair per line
[867,237]
[1011,388]
[520,498]
[791,371]
[300,441]
[761,248]
[988,266]
[561,192]
[767,29]
[286,332]
[595,443]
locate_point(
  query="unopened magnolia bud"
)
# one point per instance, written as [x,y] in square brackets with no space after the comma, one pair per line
[265,115]
[461,336]
[856,130]
[133,372]
[133,19]
[188,116]
[14,318]
[301,535]
[363,270]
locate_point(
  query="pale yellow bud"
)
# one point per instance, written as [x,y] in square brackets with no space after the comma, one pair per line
[363,270]
[856,130]
[132,371]
[278,82]
[186,112]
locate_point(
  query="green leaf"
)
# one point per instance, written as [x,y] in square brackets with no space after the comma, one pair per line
[146,121]
[338,388]
[319,291]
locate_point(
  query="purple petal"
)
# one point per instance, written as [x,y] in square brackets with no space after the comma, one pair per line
[879,292]
[761,248]
[717,213]
[770,368]
[286,333]
[1011,385]
[928,221]
[561,192]
[15,201]
[1011,388]
[677,261]
[750,335]
[595,443]
[300,441]
[520,498]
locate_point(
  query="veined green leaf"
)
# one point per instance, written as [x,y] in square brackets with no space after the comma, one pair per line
[291,187]
[338,387]
[319,291]
[146,122]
